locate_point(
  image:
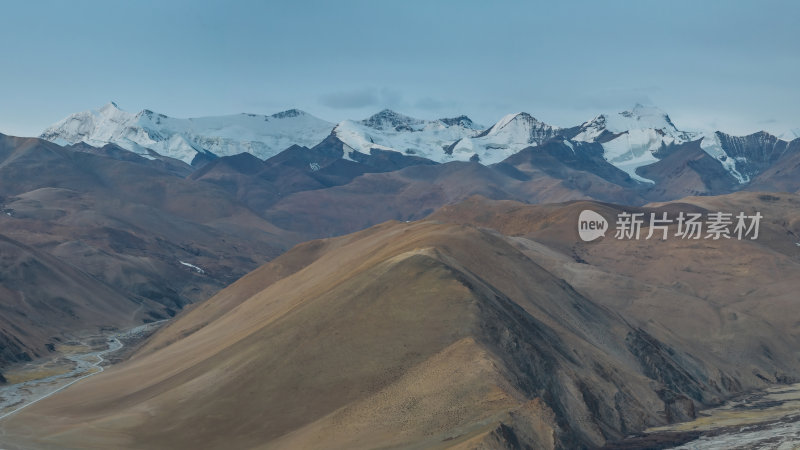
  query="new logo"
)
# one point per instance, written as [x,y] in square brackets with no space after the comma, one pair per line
[591,225]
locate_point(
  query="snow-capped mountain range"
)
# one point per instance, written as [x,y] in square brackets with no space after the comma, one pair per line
[630,139]
[508,136]
[388,130]
[184,139]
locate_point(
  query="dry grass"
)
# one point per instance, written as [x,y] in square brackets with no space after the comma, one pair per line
[37,373]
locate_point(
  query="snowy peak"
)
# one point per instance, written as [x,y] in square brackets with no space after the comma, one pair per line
[461,121]
[631,138]
[592,129]
[148,131]
[92,127]
[390,130]
[388,119]
[443,140]
[648,117]
[639,118]
[289,113]
[509,135]
[524,123]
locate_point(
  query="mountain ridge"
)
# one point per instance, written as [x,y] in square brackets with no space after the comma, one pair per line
[631,139]
[487,319]
[185,139]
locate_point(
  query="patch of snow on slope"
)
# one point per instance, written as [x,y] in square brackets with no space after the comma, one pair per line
[193,267]
[627,154]
[711,145]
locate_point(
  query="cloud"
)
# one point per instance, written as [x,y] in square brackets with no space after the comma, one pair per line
[362,98]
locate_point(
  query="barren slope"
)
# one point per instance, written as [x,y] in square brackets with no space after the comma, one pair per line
[436,334]
[132,226]
[42,297]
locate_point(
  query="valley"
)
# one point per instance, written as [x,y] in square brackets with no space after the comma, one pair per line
[84,355]
[347,294]
[363,225]
[767,419]
[554,343]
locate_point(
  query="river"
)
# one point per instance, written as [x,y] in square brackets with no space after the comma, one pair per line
[71,367]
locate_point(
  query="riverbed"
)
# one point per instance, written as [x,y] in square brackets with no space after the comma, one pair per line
[767,419]
[79,357]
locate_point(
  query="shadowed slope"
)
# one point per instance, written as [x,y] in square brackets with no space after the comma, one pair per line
[42,297]
[133,224]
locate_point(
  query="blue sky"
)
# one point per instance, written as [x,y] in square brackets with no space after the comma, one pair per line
[725,65]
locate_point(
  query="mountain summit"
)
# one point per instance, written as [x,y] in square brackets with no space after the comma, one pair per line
[184,139]
[509,135]
[633,140]
[389,130]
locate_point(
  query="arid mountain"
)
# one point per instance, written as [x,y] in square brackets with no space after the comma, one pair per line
[260,184]
[414,192]
[329,196]
[75,204]
[686,170]
[42,297]
[317,192]
[156,228]
[132,225]
[488,325]
[783,175]
[575,167]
